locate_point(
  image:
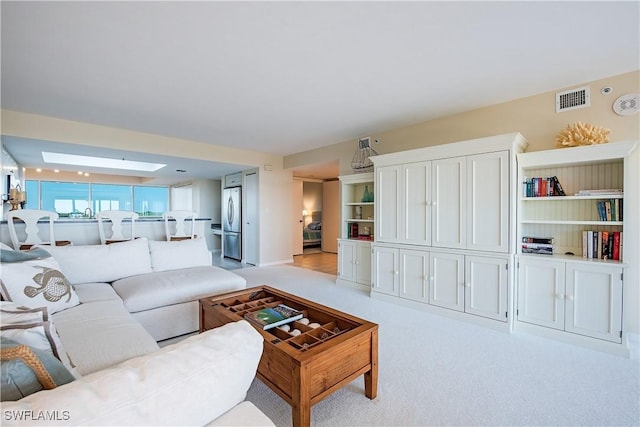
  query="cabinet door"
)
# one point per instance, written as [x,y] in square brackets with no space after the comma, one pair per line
[346,260]
[414,274]
[541,289]
[594,301]
[486,287]
[416,207]
[448,204]
[385,270]
[488,202]
[446,281]
[388,204]
[363,263]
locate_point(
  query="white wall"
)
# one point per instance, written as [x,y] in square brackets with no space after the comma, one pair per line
[275,216]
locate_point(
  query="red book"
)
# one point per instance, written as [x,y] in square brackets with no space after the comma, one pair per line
[616,245]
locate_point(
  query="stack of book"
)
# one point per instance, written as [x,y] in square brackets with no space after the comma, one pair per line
[602,244]
[537,245]
[542,187]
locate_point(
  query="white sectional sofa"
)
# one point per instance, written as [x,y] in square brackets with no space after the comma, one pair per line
[159,282]
[131,295]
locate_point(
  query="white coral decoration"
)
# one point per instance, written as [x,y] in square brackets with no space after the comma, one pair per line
[582,134]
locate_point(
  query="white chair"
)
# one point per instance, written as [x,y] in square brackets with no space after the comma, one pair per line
[182,218]
[30,217]
[117,218]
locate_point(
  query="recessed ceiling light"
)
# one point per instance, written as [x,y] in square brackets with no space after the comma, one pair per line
[100,162]
[56,170]
[79,172]
[38,170]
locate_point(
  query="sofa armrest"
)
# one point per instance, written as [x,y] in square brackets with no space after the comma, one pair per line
[189,383]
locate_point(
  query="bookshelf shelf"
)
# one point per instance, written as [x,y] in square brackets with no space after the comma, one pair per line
[570,198]
[569,222]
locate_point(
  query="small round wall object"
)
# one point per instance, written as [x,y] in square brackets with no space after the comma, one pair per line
[285,328]
[314,325]
[296,332]
[304,321]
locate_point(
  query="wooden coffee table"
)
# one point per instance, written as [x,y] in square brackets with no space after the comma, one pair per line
[306,368]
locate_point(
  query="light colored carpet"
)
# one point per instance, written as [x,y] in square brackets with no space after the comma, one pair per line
[435,371]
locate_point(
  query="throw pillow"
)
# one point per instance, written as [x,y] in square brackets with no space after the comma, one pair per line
[37,283]
[9,255]
[26,370]
[40,335]
[11,313]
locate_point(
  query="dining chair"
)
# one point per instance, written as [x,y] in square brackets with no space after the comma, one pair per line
[181,219]
[30,218]
[117,219]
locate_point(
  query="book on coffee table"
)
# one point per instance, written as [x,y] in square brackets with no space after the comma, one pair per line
[271,317]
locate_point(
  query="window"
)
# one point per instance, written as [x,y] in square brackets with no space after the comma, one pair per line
[72,199]
[150,201]
[107,197]
[33,194]
[68,199]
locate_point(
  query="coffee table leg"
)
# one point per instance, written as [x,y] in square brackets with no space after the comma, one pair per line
[371,377]
[301,399]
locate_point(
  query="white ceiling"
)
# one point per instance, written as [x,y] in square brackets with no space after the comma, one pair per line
[285,77]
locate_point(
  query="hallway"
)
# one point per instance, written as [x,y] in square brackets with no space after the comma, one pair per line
[324,262]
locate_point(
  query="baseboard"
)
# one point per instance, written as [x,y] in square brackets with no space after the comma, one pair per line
[575,339]
[354,285]
[272,263]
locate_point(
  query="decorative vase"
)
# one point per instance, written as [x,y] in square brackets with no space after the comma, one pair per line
[366,196]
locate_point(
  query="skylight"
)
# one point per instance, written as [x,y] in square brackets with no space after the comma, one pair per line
[100,162]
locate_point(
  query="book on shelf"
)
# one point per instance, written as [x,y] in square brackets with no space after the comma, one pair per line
[537,248]
[609,210]
[602,245]
[270,317]
[542,187]
[604,192]
[531,239]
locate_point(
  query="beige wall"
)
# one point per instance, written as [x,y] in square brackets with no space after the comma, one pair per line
[535,117]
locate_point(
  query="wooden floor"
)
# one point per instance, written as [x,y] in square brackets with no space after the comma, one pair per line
[324,262]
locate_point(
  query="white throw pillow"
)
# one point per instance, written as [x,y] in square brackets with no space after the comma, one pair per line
[103,263]
[37,283]
[179,254]
[11,313]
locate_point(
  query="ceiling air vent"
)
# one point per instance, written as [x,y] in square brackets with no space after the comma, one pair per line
[573,99]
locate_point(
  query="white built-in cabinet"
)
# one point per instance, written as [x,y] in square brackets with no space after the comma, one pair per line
[458,202]
[356,230]
[567,295]
[576,297]
[445,226]
[463,283]
[354,261]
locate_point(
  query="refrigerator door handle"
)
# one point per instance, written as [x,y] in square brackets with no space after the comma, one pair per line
[230,211]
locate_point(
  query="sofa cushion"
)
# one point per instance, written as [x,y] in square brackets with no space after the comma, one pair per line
[37,283]
[26,370]
[179,254]
[163,288]
[189,383]
[100,334]
[103,263]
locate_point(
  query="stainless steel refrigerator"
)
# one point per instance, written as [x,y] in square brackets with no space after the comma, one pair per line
[231,225]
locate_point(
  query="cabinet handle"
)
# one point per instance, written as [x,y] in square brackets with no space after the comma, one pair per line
[560,296]
[468,285]
[395,272]
[569,297]
[431,278]
[434,203]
